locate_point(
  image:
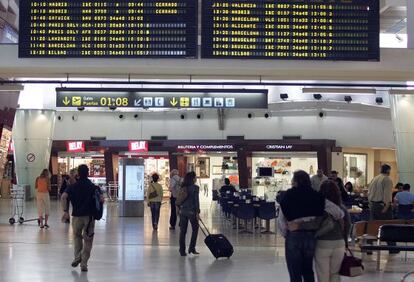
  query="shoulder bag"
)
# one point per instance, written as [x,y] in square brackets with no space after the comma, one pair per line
[351,266]
[326,225]
[153,194]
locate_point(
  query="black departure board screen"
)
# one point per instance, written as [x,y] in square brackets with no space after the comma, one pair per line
[108,28]
[291,29]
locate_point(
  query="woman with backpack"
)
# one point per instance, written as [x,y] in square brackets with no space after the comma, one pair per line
[189,204]
[154,197]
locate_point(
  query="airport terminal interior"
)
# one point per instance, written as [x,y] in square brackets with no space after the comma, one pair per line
[242,91]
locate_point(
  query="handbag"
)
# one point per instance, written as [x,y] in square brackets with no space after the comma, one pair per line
[351,266]
[326,225]
[153,194]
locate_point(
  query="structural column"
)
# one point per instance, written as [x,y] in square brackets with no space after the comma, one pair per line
[109,168]
[410,24]
[32,138]
[244,164]
[402,114]
[324,154]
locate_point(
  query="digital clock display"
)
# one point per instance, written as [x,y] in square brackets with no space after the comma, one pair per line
[161,98]
[108,28]
[291,29]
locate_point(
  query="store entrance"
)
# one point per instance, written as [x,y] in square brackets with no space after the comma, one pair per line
[94,160]
[273,171]
[211,170]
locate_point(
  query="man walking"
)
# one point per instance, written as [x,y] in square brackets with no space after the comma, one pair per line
[317,180]
[175,183]
[81,195]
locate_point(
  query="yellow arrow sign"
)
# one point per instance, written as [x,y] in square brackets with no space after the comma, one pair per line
[173,102]
[66,101]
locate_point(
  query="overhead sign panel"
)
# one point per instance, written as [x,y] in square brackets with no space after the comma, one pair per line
[108,28]
[138,146]
[291,29]
[75,146]
[162,98]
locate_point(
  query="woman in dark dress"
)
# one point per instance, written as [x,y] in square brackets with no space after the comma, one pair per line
[189,212]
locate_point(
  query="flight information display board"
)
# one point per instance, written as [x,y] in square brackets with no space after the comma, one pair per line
[291,29]
[108,28]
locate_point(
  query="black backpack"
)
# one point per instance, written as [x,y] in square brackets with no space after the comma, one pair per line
[97,205]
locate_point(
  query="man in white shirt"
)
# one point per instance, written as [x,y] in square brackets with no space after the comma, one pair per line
[175,183]
[317,180]
[380,198]
[380,195]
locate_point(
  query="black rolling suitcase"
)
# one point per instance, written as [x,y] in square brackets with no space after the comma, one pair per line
[218,244]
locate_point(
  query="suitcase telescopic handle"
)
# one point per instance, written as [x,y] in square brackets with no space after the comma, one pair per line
[204,228]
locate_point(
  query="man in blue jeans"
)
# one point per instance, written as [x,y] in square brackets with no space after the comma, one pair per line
[302,204]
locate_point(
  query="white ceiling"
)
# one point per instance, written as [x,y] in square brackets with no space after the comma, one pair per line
[393,16]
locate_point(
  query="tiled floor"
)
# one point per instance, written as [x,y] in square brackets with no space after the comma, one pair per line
[126,249]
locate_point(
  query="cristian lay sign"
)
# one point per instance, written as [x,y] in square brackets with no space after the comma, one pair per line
[279,147]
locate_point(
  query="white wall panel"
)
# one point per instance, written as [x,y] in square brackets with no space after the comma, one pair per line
[348,131]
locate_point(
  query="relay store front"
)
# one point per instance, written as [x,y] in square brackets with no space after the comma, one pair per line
[94,160]
[76,155]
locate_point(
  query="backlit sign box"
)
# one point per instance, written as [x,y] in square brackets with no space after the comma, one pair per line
[138,146]
[279,147]
[75,146]
[202,147]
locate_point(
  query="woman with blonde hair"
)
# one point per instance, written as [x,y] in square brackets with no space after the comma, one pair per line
[43,200]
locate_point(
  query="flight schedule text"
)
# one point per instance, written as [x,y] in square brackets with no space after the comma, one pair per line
[291,29]
[108,28]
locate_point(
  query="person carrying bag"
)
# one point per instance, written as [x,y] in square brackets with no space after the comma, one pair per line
[155,193]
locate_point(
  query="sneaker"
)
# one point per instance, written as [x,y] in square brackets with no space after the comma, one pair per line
[75,263]
[46,226]
[84,268]
[172,228]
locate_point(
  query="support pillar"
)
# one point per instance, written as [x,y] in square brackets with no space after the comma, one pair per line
[32,138]
[410,24]
[324,155]
[402,115]
[109,168]
[244,164]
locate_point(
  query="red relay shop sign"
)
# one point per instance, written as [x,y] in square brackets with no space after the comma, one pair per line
[138,146]
[75,146]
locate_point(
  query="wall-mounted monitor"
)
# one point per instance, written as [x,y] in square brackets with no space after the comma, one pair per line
[265,172]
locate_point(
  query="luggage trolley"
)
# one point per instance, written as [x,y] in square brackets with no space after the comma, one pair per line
[17,195]
[112,191]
